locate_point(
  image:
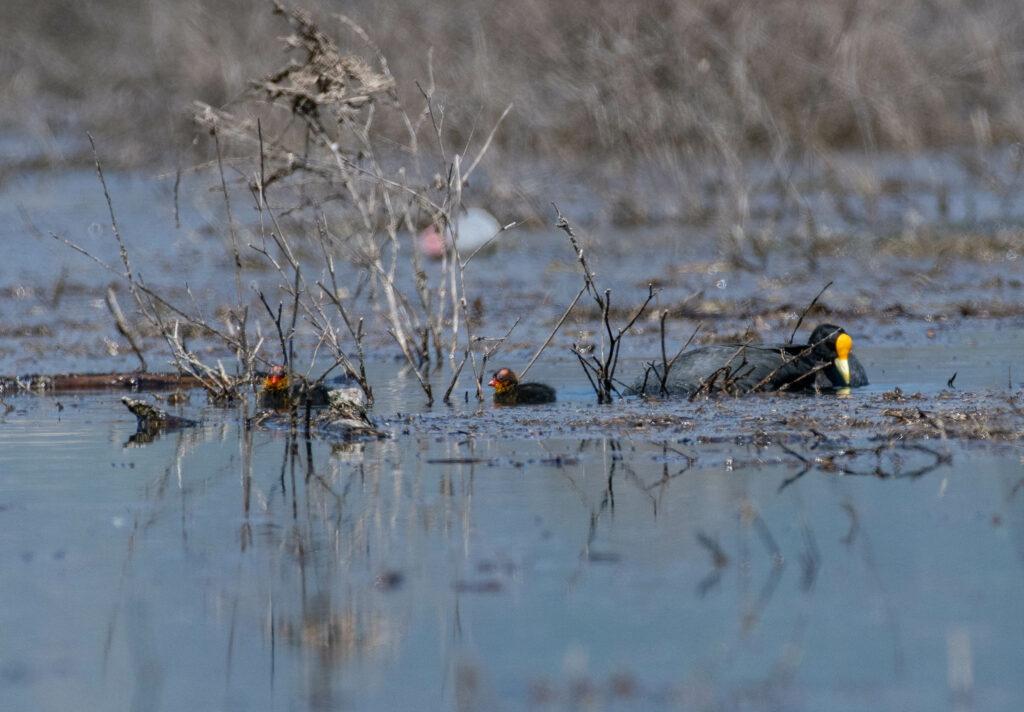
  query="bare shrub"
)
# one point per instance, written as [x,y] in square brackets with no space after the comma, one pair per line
[599,365]
[325,140]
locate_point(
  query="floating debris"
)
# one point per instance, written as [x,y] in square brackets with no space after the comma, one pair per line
[153,420]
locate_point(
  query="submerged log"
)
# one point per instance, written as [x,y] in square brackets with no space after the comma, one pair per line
[100,381]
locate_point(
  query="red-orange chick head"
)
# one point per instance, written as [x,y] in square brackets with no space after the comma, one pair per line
[503,380]
[276,380]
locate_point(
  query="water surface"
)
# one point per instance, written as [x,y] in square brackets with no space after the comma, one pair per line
[646,555]
[502,569]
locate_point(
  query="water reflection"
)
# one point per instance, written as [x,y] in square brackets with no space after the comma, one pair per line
[268,571]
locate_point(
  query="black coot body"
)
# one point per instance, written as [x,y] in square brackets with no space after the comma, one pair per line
[767,367]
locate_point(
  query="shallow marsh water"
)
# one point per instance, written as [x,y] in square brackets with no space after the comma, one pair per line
[645,555]
[507,568]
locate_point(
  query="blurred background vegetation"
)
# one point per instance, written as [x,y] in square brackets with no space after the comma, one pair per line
[659,83]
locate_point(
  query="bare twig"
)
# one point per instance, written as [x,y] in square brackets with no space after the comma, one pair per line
[600,369]
[666,364]
[786,359]
[554,331]
[805,311]
[124,329]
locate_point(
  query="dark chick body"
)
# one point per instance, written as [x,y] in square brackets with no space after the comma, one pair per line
[509,391]
[278,392]
[739,368]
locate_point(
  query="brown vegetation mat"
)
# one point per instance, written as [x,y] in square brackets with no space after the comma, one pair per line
[886,436]
[766,420]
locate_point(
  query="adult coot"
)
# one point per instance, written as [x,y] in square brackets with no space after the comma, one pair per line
[509,391]
[823,363]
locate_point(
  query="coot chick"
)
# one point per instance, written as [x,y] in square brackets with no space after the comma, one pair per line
[823,363]
[509,391]
[278,391]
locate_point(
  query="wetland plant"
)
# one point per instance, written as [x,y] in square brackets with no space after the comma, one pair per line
[333,162]
[599,364]
[342,138]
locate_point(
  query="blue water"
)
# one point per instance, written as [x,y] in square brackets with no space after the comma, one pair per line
[221,569]
[558,557]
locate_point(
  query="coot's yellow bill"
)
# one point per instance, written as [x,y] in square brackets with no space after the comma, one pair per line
[843,345]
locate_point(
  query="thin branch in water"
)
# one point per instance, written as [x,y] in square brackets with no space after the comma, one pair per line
[241,316]
[276,319]
[424,383]
[492,238]
[666,366]
[123,327]
[787,359]
[488,352]
[110,207]
[805,311]
[177,182]
[487,145]
[725,371]
[554,331]
[455,378]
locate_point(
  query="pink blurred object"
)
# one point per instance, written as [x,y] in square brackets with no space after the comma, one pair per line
[431,243]
[476,228]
